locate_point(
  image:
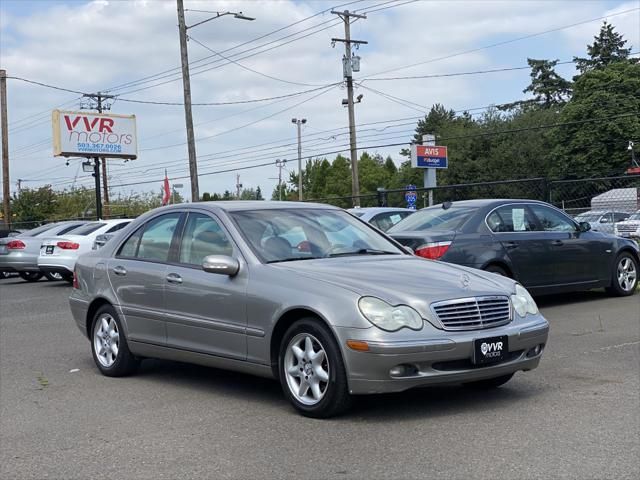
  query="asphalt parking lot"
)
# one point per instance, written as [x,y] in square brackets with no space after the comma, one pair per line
[576,416]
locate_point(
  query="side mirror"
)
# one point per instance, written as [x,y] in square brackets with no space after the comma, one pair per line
[584,226]
[221,264]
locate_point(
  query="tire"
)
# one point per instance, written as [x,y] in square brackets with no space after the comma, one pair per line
[497,269]
[106,330]
[489,383]
[31,276]
[53,277]
[322,398]
[624,277]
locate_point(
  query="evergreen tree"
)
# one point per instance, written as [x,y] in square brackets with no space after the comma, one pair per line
[608,47]
[546,85]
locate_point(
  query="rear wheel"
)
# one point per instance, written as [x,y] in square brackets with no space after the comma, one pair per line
[30,276]
[490,383]
[624,278]
[109,345]
[312,372]
[53,277]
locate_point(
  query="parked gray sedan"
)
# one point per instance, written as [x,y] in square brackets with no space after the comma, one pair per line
[303,293]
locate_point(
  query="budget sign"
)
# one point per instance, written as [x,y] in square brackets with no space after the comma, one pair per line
[83,134]
[427,156]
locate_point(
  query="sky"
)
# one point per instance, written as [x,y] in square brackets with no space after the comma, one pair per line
[130,48]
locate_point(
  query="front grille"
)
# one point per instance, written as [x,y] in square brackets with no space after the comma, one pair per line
[473,313]
[627,228]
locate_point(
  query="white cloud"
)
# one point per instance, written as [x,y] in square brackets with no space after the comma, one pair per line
[101,44]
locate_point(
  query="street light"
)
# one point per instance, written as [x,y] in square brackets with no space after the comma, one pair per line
[186,83]
[299,123]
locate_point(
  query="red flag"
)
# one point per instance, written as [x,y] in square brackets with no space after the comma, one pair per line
[166,187]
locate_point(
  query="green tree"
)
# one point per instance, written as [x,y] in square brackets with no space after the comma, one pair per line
[607,48]
[599,148]
[206,197]
[259,193]
[34,205]
[546,85]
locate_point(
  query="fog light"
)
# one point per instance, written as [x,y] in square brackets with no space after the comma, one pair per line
[397,371]
[535,351]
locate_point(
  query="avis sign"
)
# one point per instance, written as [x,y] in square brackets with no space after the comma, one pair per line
[427,156]
[82,134]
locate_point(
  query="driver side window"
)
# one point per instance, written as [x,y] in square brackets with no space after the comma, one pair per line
[551,220]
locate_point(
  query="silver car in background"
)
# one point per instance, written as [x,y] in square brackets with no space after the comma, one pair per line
[381,217]
[20,253]
[303,293]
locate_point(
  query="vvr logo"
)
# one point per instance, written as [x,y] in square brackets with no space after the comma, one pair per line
[491,349]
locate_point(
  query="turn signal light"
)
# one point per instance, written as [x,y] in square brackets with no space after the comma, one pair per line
[358,345]
[16,245]
[68,245]
[433,251]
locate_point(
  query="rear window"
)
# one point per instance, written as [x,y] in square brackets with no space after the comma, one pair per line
[88,228]
[38,230]
[434,218]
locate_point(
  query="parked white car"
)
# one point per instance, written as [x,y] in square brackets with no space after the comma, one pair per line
[602,220]
[630,228]
[381,217]
[59,254]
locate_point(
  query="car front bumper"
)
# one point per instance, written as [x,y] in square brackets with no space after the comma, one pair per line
[439,357]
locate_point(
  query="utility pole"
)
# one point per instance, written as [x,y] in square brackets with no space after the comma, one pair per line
[348,68]
[186,86]
[280,164]
[238,186]
[188,115]
[98,98]
[299,123]
[6,205]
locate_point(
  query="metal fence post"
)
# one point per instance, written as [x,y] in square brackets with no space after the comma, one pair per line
[382,197]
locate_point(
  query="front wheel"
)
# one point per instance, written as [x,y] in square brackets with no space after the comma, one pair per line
[109,345]
[312,371]
[624,278]
[30,276]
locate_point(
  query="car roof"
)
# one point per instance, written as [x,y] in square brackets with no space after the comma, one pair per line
[380,209]
[241,205]
[486,202]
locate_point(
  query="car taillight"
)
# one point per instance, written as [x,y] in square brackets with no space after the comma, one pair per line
[68,245]
[434,250]
[76,284]
[16,245]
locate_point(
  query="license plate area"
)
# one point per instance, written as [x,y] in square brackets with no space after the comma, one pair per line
[49,249]
[490,350]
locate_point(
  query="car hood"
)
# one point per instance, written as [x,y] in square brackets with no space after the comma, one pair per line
[402,279]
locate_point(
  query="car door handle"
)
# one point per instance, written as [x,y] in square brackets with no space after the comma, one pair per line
[174,278]
[557,243]
[120,271]
[510,245]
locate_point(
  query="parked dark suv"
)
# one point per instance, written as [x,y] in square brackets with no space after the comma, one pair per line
[533,242]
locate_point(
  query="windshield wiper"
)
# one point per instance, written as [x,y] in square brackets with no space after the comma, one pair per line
[293,259]
[364,251]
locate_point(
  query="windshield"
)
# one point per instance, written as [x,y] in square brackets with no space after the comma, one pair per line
[589,217]
[301,234]
[635,216]
[435,217]
[88,228]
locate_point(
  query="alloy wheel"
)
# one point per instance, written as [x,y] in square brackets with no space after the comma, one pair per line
[106,340]
[627,274]
[307,369]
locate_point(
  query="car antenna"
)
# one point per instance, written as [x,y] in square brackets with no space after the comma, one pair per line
[446,205]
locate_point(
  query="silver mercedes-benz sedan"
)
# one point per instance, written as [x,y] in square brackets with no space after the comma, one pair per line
[303,293]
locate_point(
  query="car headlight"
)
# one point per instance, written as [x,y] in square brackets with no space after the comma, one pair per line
[523,302]
[389,317]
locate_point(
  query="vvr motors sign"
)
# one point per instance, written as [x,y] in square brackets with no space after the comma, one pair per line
[83,134]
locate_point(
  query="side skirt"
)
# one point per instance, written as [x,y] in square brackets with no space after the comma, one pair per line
[167,353]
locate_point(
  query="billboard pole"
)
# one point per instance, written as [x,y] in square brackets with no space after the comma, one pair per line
[5,149]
